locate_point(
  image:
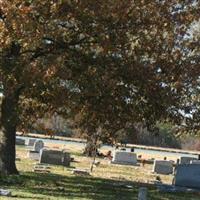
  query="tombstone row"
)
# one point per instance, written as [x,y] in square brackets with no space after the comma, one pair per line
[47,156]
[187,172]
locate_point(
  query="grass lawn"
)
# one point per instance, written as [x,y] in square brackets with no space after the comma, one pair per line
[108,182]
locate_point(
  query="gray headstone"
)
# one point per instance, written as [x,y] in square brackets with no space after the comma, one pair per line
[54,157]
[187,175]
[186,160]
[123,157]
[31,142]
[38,145]
[163,167]
[195,162]
[142,194]
[20,141]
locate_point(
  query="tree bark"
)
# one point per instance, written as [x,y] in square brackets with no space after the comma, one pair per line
[8,124]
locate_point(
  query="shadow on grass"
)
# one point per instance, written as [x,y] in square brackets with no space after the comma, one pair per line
[70,187]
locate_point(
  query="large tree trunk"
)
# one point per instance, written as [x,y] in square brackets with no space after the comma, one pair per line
[8,133]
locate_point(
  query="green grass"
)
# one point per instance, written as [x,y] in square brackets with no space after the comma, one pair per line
[53,186]
[108,182]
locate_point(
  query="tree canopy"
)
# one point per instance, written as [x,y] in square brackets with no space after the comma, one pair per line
[106,63]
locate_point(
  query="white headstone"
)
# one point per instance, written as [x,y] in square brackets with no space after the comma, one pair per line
[186,160]
[163,167]
[38,145]
[123,157]
[4,192]
[187,175]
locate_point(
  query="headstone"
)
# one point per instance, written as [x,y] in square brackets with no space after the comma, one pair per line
[195,162]
[38,145]
[81,172]
[33,155]
[163,167]
[31,142]
[187,175]
[40,168]
[5,193]
[186,160]
[55,157]
[20,141]
[142,194]
[123,157]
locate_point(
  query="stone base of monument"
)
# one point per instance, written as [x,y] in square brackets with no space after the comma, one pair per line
[124,163]
[33,155]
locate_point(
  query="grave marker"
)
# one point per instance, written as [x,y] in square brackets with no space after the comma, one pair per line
[142,194]
[187,175]
[19,141]
[34,155]
[55,157]
[186,160]
[163,167]
[123,157]
[31,142]
[38,145]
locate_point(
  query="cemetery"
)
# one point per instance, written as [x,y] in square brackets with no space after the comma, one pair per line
[99,100]
[63,177]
